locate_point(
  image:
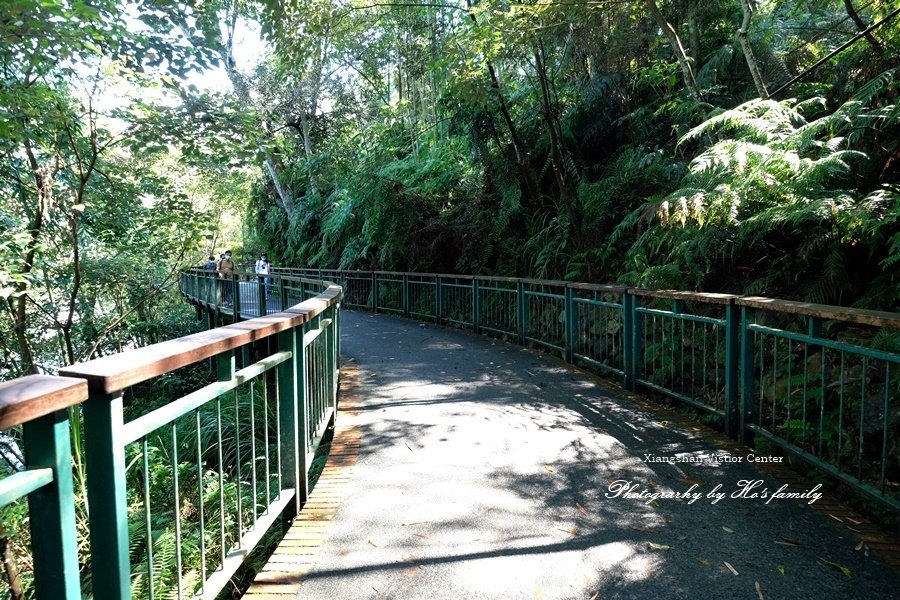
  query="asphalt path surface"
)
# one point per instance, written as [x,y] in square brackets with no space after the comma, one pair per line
[490,471]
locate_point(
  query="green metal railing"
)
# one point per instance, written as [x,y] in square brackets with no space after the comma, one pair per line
[180,493]
[821,383]
[38,404]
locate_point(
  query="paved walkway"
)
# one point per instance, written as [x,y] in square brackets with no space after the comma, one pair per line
[486,471]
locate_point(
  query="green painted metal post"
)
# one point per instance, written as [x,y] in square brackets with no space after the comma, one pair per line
[337,334]
[629,338]
[287,414]
[814,328]
[571,323]
[261,289]
[405,295]
[302,413]
[748,375]
[282,293]
[246,358]
[235,297]
[104,453]
[330,372]
[226,365]
[211,324]
[51,511]
[374,292]
[732,369]
[438,299]
[476,305]
[637,347]
[520,311]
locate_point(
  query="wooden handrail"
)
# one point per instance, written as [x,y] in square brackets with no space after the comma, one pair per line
[825,311]
[117,372]
[680,295]
[27,398]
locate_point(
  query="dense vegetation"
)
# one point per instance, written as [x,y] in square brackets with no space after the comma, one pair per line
[644,142]
[725,145]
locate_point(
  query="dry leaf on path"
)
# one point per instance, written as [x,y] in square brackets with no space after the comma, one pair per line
[759,591]
[728,529]
[581,509]
[730,568]
[654,546]
[840,568]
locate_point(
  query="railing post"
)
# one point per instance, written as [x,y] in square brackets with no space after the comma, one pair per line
[630,336]
[303,387]
[261,288]
[287,415]
[476,305]
[331,359]
[337,339]
[51,510]
[374,292]
[235,297]
[814,328]
[438,299]
[520,311]
[282,294]
[571,323]
[405,293]
[105,461]
[748,381]
[732,369]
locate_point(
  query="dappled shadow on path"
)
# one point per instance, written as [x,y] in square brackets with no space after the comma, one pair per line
[486,471]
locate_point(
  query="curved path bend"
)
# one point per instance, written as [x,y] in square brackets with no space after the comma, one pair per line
[485,471]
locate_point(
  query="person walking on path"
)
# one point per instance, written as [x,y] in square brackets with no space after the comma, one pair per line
[262,269]
[226,270]
[210,264]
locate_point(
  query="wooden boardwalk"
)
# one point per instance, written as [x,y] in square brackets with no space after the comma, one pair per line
[296,554]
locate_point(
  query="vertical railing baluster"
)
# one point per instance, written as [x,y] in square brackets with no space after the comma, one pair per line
[148,521]
[253,486]
[178,559]
[200,500]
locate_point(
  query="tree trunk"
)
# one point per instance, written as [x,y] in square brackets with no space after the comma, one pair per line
[744,39]
[10,568]
[851,12]
[243,93]
[682,57]
[556,145]
[693,24]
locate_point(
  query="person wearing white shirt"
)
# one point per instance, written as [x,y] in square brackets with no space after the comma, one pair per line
[262,269]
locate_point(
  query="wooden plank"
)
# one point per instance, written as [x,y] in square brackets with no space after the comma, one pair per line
[27,398]
[687,296]
[599,287]
[875,318]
